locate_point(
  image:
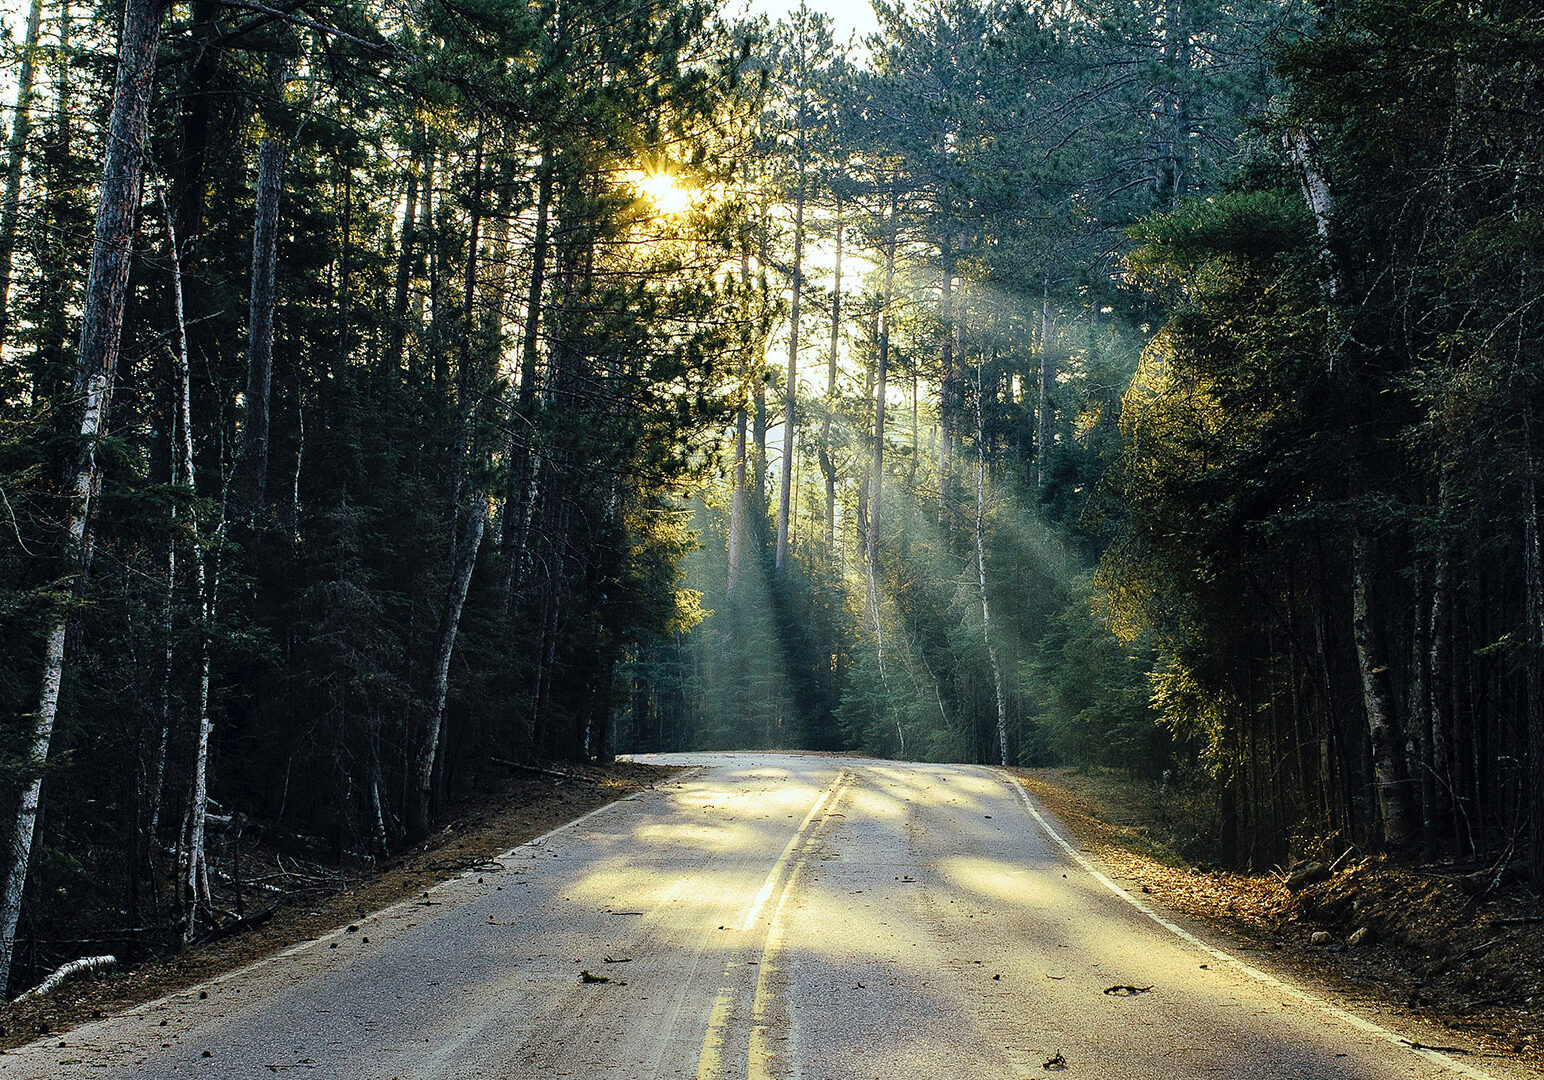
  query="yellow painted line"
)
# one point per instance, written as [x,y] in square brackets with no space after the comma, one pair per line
[1357,1023]
[758,1053]
[754,913]
[710,1063]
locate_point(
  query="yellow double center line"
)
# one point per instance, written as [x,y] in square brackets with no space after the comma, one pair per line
[774,892]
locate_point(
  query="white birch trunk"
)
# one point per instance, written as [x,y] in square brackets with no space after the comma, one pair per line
[96,365]
[1321,203]
[195,879]
[474,524]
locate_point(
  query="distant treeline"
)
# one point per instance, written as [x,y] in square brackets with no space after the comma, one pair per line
[1213,329]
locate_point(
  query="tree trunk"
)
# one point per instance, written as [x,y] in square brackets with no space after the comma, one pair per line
[1047,379]
[876,500]
[1436,710]
[469,509]
[407,247]
[737,506]
[948,392]
[827,462]
[194,870]
[1321,204]
[790,391]
[514,528]
[1176,141]
[96,365]
[21,128]
[737,497]
[1390,782]
[986,605]
[265,247]
[471,524]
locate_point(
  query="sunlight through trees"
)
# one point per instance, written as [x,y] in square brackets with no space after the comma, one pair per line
[1144,384]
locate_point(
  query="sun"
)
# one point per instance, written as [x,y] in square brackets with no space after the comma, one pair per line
[661,189]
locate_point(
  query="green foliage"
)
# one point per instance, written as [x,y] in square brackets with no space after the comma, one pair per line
[1097,705]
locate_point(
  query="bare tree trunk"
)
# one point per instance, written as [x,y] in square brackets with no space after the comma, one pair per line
[1440,685]
[265,247]
[737,498]
[881,388]
[21,128]
[790,391]
[407,247]
[514,529]
[948,391]
[737,505]
[1047,379]
[1434,715]
[827,462]
[194,874]
[916,434]
[469,511]
[876,500]
[1321,203]
[1177,58]
[1392,785]
[986,605]
[471,524]
[96,365]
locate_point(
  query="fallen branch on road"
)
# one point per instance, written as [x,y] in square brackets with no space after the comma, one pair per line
[1437,1049]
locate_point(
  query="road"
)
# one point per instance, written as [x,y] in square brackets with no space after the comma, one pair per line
[767,916]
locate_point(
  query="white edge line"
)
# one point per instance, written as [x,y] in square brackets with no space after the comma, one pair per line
[1351,1019]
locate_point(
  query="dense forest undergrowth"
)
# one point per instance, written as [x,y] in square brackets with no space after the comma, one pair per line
[395,397]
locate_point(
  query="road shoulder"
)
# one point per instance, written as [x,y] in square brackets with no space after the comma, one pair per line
[515,814]
[1432,953]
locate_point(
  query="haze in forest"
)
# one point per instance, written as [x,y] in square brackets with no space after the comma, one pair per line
[396,398]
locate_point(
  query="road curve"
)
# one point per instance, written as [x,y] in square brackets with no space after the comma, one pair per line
[767,917]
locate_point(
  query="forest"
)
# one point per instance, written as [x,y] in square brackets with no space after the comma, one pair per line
[396,393]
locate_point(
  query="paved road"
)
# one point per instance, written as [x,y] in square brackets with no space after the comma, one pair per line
[766,917]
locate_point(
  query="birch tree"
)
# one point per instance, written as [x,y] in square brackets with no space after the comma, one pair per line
[96,366]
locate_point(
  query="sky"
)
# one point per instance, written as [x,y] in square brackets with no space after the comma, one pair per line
[847,16]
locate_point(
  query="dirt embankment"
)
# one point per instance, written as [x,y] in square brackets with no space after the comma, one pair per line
[310,906]
[1448,946]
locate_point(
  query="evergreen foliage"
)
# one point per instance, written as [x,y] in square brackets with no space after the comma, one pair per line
[1140,384]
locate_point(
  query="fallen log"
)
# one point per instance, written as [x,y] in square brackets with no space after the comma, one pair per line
[225,930]
[75,967]
[553,774]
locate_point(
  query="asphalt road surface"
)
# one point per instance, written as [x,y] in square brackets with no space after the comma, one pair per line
[769,916]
